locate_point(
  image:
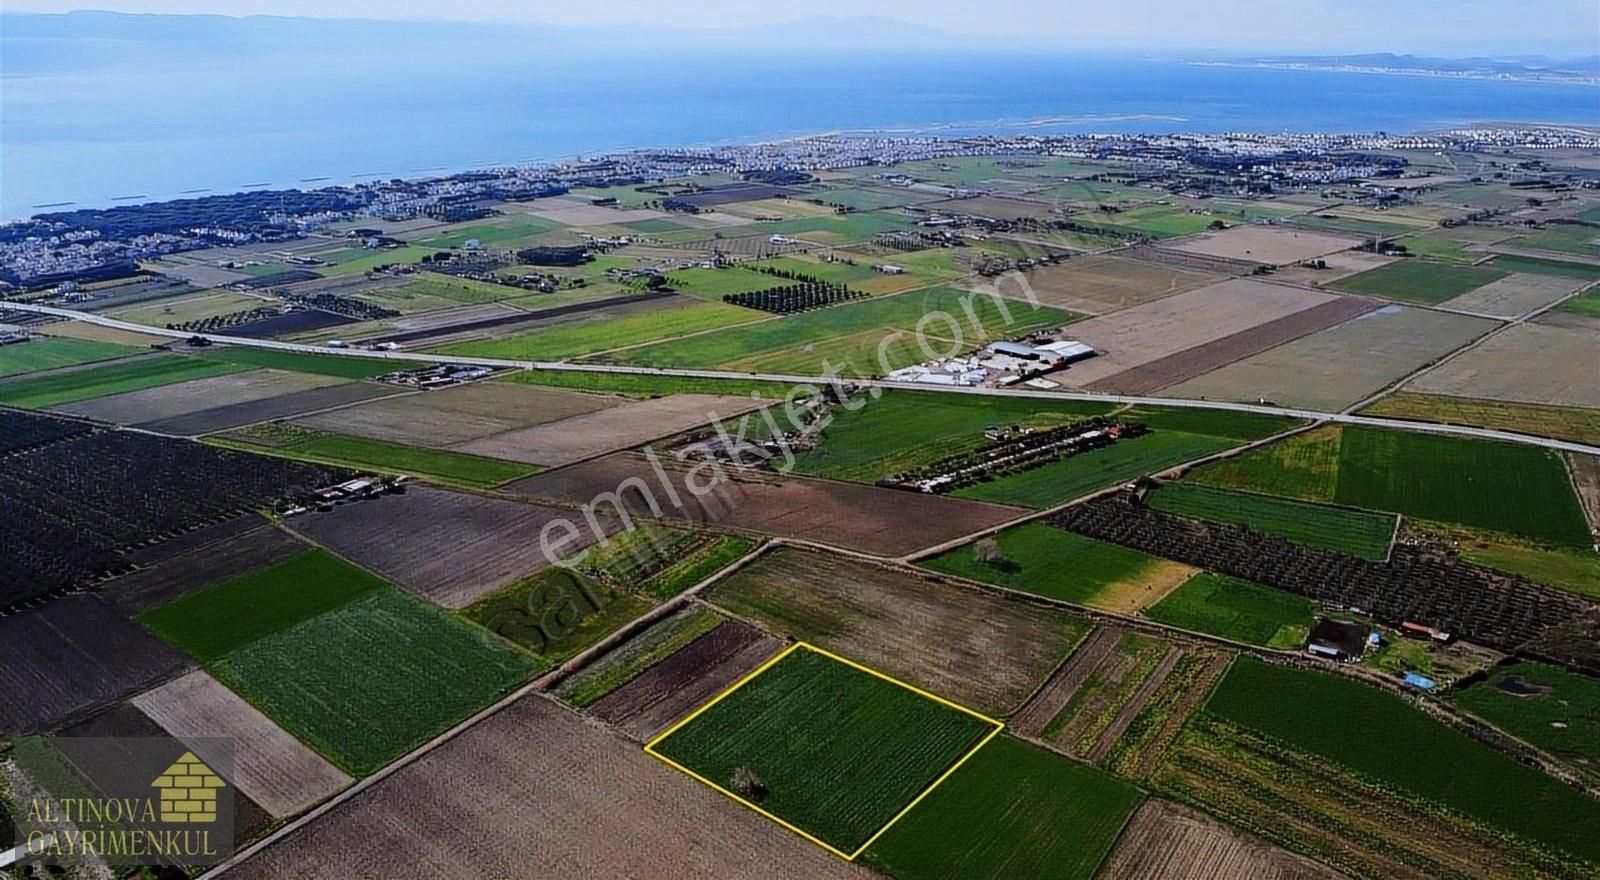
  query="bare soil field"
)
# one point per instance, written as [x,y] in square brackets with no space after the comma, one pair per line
[1514,295]
[1341,264]
[578,212]
[1096,285]
[1532,363]
[182,398]
[687,680]
[450,548]
[1164,841]
[561,793]
[1154,330]
[1585,470]
[993,207]
[171,578]
[1053,697]
[276,770]
[1200,359]
[1334,368]
[973,647]
[868,519]
[223,418]
[106,751]
[1273,245]
[1154,583]
[457,415]
[98,333]
[72,657]
[553,444]
[1569,320]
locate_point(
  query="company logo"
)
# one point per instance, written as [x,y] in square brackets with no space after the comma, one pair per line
[188,791]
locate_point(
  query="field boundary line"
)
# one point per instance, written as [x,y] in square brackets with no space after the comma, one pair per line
[650,747]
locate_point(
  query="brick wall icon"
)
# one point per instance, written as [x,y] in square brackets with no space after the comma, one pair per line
[188,791]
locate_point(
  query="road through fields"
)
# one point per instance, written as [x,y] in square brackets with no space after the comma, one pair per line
[1346,418]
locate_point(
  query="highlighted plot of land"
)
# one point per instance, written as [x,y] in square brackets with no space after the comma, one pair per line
[830,749]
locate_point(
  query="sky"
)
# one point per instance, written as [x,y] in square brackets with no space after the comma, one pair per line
[1443,27]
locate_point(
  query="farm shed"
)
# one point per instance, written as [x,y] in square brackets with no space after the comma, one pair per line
[1337,639]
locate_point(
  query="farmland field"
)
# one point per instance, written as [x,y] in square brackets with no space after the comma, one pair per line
[1546,705]
[1515,295]
[1414,753]
[456,415]
[1036,558]
[1096,285]
[618,667]
[276,770]
[1356,532]
[72,385]
[368,682]
[1237,609]
[51,352]
[1167,842]
[180,399]
[1541,420]
[662,562]
[1526,363]
[640,385]
[1333,368]
[555,613]
[1419,282]
[451,548]
[836,751]
[1076,475]
[601,808]
[903,429]
[292,441]
[1539,265]
[1519,490]
[977,649]
[1013,810]
[785,344]
[1120,700]
[224,617]
[301,362]
[1273,245]
[599,334]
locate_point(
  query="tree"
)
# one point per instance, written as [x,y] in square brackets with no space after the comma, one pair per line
[747,784]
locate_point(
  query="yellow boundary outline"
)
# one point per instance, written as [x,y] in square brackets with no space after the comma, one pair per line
[650,747]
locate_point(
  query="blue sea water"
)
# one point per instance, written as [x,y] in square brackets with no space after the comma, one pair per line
[91,127]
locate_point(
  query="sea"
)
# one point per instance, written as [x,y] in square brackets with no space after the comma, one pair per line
[106,128]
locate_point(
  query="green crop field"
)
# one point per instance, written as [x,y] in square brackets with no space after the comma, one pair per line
[1582,241]
[54,389]
[865,199]
[1540,266]
[555,613]
[1304,466]
[1356,532]
[1237,609]
[1211,422]
[1539,419]
[364,260]
[224,617]
[1587,304]
[1075,475]
[639,653]
[904,429]
[289,441]
[1576,569]
[1159,221]
[602,334]
[1012,811]
[1041,559]
[49,352]
[366,683]
[300,362]
[837,751]
[796,337]
[1439,247]
[714,284]
[1377,735]
[497,233]
[642,385]
[1546,705]
[1519,490]
[1419,281]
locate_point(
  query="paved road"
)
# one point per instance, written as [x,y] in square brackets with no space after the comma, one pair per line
[403,356]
